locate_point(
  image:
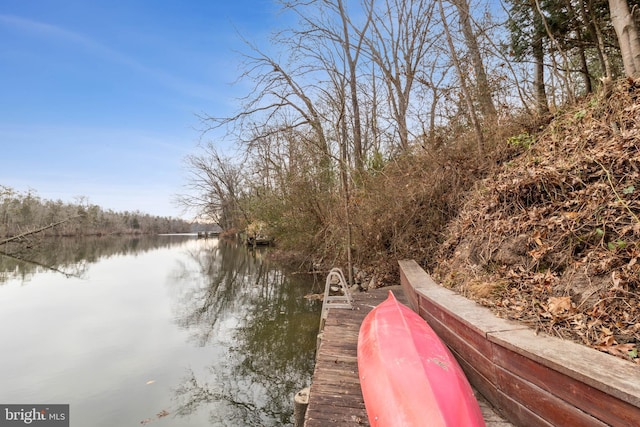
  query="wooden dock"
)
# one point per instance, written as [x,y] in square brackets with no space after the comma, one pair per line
[335,397]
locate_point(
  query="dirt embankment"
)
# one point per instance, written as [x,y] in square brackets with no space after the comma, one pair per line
[553,238]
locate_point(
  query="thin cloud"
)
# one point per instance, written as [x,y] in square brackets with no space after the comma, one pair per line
[49,32]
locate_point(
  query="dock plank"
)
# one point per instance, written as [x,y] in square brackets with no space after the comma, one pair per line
[335,397]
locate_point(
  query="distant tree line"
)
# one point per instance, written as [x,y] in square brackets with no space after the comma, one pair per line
[21,212]
[351,86]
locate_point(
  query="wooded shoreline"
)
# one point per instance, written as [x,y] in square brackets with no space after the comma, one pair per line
[22,214]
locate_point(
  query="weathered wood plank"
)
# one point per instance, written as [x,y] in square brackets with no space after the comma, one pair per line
[553,409]
[578,394]
[619,378]
[536,380]
[335,396]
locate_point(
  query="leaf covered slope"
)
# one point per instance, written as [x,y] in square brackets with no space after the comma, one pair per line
[552,238]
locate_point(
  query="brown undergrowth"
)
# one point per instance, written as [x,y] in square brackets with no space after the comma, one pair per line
[542,228]
[551,239]
[402,210]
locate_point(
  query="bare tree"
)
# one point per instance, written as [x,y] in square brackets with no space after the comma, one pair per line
[329,35]
[527,40]
[352,62]
[563,73]
[216,185]
[433,78]
[483,90]
[401,37]
[275,90]
[38,230]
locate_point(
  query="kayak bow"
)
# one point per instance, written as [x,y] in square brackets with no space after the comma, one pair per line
[408,375]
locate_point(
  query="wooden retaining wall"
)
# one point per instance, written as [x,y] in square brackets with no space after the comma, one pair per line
[533,380]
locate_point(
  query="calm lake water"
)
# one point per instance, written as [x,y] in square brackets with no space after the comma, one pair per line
[159,331]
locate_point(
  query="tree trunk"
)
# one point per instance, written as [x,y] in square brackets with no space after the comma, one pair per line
[358,152]
[538,55]
[563,77]
[538,81]
[482,83]
[465,90]
[592,24]
[584,66]
[345,186]
[628,38]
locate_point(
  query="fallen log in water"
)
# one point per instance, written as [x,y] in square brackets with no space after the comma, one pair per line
[38,230]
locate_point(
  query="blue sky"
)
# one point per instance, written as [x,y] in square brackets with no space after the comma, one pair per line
[99,98]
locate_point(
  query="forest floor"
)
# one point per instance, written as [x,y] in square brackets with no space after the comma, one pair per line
[551,239]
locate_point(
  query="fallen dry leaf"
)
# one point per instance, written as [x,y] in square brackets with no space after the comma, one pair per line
[606,331]
[618,349]
[608,341]
[559,305]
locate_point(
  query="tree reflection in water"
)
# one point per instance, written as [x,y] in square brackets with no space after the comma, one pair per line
[258,315]
[72,256]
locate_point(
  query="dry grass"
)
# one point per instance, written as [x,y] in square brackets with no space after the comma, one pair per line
[543,227]
[549,213]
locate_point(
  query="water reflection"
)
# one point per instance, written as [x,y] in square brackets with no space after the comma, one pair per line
[168,329]
[259,316]
[71,256]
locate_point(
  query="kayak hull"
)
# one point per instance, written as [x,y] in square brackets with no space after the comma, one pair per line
[407,374]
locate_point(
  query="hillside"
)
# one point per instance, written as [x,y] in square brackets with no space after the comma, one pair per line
[551,239]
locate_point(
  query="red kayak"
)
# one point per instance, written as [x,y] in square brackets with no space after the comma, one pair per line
[407,374]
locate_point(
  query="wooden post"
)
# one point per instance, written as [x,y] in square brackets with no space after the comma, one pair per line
[300,403]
